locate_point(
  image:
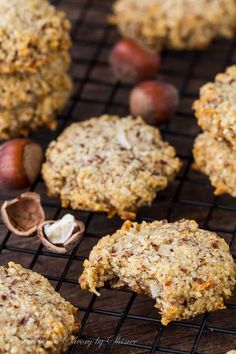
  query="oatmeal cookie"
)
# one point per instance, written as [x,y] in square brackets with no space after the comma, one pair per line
[30,33]
[216,108]
[109,164]
[218,161]
[34,317]
[186,270]
[21,88]
[30,117]
[182,24]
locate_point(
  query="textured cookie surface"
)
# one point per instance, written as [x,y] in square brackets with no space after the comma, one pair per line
[109,164]
[186,270]
[216,107]
[29,117]
[34,317]
[182,24]
[20,89]
[30,32]
[218,161]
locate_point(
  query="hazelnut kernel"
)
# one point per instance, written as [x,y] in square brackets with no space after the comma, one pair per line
[155,101]
[20,163]
[61,236]
[132,63]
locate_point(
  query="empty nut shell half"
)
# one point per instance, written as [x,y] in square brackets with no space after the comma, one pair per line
[23,214]
[67,246]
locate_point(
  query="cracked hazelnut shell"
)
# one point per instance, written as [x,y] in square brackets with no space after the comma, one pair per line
[23,214]
[20,163]
[67,246]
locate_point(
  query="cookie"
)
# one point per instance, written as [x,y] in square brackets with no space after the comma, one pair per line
[109,164]
[186,270]
[216,108]
[182,24]
[31,33]
[21,88]
[22,120]
[218,161]
[35,318]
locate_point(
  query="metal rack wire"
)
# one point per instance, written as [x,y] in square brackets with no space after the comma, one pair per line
[121,320]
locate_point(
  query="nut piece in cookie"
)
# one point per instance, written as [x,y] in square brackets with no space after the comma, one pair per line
[36,318]
[216,108]
[217,160]
[186,270]
[109,164]
[22,215]
[182,24]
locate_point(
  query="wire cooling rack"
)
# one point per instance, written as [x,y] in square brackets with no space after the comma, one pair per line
[121,321]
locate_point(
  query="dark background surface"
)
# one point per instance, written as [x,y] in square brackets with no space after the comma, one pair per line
[121,315]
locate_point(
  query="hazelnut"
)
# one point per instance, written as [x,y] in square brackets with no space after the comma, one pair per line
[62,235]
[20,163]
[155,101]
[132,63]
[22,215]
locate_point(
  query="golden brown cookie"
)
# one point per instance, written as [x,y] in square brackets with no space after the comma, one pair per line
[31,33]
[34,317]
[109,164]
[186,270]
[218,161]
[216,108]
[27,88]
[29,117]
[182,24]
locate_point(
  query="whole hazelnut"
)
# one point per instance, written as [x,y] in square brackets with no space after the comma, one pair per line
[132,63]
[155,101]
[20,163]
